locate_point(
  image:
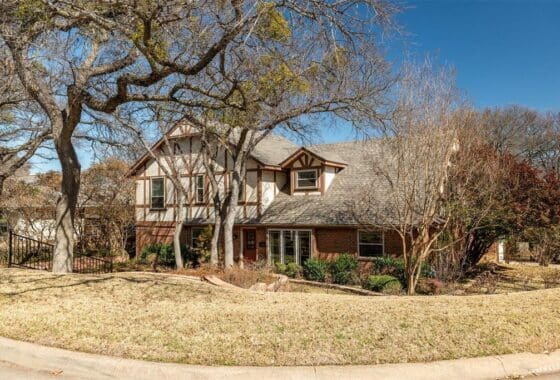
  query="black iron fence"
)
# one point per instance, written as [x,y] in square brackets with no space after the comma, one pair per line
[31,253]
[92,264]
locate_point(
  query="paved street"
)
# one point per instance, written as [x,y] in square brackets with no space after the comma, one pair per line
[20,360]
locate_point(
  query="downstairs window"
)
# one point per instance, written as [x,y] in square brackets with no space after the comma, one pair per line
[286,246]
[371,244]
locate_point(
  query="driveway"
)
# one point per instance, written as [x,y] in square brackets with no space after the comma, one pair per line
[20,360]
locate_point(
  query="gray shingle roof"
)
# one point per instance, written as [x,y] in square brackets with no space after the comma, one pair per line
[332,208]
[327,152]
[274,149]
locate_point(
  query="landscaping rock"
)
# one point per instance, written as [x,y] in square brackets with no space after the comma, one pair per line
[259,287]
[280,285]
[218,282]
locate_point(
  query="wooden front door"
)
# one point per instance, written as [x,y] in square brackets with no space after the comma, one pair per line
[250,245]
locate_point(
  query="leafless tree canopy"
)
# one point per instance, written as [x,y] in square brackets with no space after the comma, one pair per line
[240,62]
[413,168]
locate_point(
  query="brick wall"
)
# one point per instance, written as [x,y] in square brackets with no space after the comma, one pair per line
[326,243]
[147,233]
[332,241]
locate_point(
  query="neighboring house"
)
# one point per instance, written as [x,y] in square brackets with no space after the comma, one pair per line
[293,204]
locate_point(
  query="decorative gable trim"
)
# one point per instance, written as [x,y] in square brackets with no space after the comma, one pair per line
[302,156]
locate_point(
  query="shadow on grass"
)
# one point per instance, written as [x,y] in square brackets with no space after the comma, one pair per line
[86,279]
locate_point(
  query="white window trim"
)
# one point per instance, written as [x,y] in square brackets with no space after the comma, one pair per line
[151,193]
[196,188]
[298,187]
[382,244]
[296,244]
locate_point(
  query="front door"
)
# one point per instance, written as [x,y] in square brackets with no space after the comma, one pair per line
[250,244]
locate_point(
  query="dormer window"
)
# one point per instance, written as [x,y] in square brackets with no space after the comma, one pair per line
[306,179]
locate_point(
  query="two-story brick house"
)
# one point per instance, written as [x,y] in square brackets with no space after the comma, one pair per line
[293,202]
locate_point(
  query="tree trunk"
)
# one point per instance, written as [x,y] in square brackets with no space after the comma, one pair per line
[411,284]
[66,205]
[215,241]
[228,238]
[229,219]
[2,179]
[177,245]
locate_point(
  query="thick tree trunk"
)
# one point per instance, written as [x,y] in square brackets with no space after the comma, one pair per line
[228,238]
[229,219]
[215,241]
[177,245]
[177,235]
[66,206]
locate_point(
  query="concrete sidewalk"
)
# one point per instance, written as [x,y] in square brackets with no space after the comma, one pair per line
[30,361]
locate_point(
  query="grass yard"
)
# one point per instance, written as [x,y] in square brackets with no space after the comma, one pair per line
[514,277]
[169,318]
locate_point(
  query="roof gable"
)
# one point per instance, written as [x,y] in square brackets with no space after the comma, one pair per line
[326,159]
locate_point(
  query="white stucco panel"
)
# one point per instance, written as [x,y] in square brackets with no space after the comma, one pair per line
[329,174]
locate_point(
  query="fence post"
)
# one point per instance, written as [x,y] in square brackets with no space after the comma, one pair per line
[9,248]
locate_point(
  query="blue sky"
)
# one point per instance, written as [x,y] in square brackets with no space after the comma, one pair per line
[504,52]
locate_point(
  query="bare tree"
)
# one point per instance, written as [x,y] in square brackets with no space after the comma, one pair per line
[107,206]
[101,55]
[525,134]
[412,165]
[293,84]
[21,135]
[97,56]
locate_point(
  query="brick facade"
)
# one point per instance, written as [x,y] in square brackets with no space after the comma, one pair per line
[331,241]
[147,233]
[327,242]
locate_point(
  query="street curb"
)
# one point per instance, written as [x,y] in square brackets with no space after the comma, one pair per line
[77,365]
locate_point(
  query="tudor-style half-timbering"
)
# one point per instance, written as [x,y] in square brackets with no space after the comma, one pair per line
[310,173]
[156,197]
[157,200]
[291,205]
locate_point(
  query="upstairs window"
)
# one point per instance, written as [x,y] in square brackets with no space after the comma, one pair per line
[157,196]
[370,243]
[200,188]
[306,179]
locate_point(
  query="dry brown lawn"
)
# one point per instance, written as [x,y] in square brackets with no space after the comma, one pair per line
[514,277]
[170,318]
